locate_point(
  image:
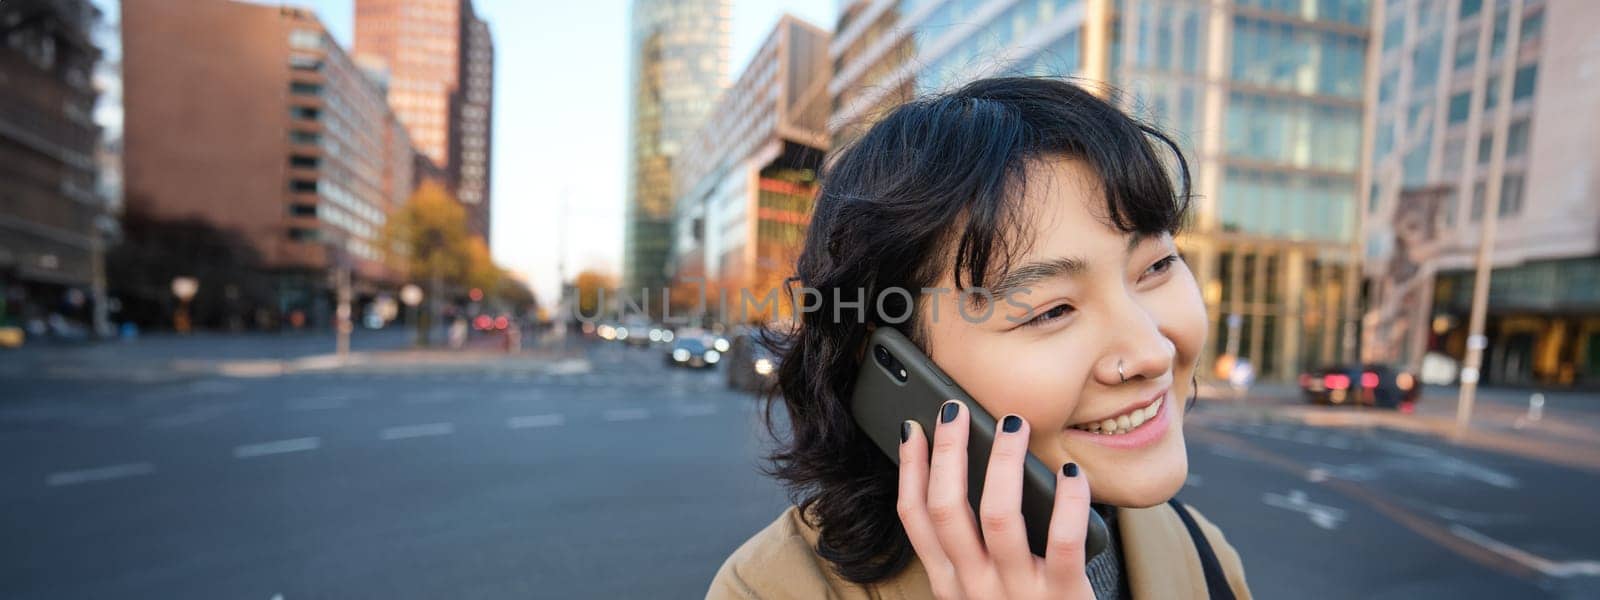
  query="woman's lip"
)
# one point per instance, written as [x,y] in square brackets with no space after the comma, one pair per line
[1130,409]
[1145,434]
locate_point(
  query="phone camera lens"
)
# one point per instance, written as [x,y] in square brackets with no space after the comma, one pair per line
[882,355]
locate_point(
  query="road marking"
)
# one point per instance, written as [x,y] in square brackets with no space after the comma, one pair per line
[697,410]
[277,447]
[627,414]
[430,397]
[413,431]
[1586,568]
[194,415]
[523,422]
[99,474]
[319,403]
[1326,517]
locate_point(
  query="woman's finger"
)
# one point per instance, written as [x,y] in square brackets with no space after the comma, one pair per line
[1000,510]
[948,507]
[913,509]
[1069,524]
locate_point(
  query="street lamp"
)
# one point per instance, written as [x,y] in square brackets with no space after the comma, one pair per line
[411,296]
[184,288]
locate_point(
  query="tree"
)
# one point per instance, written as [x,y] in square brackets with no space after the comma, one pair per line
[428,239]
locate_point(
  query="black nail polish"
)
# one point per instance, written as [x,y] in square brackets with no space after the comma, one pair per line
[1011,424]
[949,412]
[1070,469]
[905,431]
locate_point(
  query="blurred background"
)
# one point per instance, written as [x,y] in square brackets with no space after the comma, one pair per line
[331,299]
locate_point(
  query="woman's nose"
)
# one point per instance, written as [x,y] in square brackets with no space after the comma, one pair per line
[1143,350]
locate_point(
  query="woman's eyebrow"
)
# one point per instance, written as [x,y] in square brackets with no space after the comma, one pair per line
[1034,272]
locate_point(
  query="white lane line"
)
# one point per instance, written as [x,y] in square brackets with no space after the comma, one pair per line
[99,474]
[319,403]
[551,420]
[697,410]
[1322,515]
[627,414]
[414,431]
[277,447]
[1588,568]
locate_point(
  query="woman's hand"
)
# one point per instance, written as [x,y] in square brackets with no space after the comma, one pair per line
[938,519]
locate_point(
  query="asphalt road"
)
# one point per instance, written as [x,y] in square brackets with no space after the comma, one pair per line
[634,480]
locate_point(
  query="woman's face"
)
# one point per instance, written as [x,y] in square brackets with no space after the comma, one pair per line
[1090,296]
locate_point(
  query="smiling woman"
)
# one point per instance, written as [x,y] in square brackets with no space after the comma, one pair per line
[1049,217]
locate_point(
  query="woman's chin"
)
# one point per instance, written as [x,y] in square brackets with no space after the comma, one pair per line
[1150,481]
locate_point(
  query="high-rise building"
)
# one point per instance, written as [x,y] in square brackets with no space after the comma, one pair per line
[53,214]
[439,56]
[1265,96]
[252,119]
[748,176]
[1482,117]
[678,64]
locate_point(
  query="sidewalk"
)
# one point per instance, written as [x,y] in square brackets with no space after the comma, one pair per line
[173,358]
[1568,432]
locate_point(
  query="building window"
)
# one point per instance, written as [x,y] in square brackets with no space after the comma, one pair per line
[1532,26]
[1485,148]
[301,88]
[1517,138]
[305,38]
[1466,49]
[1470,7]
[1460,107]
[1510,195]
[303,185]
[304,63]
[303,210]
[304,112]
[1477,202]
[1522,86]
[1491,93]
[304,137]
[303,234]
[303,162]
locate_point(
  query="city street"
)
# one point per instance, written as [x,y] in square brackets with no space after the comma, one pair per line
[602,473]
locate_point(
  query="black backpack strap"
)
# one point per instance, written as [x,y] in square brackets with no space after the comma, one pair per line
[1216,580]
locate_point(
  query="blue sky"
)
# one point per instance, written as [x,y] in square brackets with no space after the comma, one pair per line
[560,121]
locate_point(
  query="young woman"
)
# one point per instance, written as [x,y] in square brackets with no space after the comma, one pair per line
[1085,348]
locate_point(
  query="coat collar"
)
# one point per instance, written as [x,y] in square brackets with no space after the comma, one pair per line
[1157,555]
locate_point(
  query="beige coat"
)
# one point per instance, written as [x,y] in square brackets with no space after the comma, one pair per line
[1158,556]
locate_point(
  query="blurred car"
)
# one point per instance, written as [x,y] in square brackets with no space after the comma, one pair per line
[1378,385]
[692,351]
[751,365]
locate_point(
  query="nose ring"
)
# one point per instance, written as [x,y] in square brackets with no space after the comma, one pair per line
[1124,376]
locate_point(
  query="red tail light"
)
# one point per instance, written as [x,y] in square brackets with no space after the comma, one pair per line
[501,322]
[1305,380]
[1336,381]
[1408,407]
[482,322]
[1369,380]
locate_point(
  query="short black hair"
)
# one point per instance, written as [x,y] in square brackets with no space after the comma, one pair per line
[937,175]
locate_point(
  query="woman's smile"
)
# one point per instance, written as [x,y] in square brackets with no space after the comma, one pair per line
[1137,427]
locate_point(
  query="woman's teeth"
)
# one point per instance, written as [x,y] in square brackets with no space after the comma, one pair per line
[1124,423]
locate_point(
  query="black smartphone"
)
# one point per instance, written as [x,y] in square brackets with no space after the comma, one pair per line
[897,382]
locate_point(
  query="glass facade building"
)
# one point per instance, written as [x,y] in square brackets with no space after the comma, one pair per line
[1265,97]
[1475,114]
[678,64]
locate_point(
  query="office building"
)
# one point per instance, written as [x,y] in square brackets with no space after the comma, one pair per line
[439,56]
[677,66]
[251,119]
[54,214]
[1482,115]
[748,176]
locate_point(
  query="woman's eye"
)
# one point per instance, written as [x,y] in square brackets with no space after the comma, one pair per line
[1059,311]
[1163,265]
